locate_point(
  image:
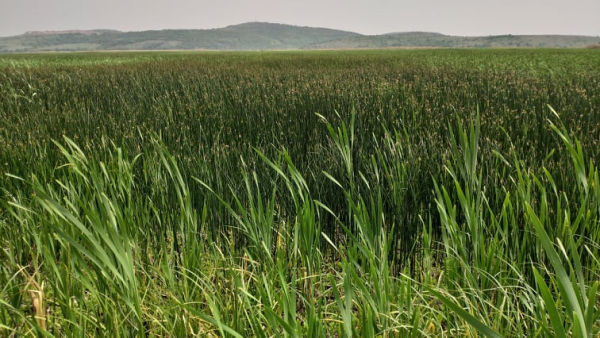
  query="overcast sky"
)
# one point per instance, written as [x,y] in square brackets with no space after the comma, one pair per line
[453,17]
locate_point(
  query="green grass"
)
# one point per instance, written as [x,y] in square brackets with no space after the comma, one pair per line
[375,194]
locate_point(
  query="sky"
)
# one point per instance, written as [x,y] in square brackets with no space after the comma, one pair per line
[451,17]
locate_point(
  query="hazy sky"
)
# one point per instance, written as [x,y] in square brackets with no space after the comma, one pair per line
[455,17]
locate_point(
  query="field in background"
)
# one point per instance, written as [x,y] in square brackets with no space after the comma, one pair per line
[356,193]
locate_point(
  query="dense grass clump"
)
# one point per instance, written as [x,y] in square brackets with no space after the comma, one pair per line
[372,193]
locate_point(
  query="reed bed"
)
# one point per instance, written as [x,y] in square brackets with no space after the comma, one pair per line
[355,193]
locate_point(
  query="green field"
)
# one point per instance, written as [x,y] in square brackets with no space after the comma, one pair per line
[319,194]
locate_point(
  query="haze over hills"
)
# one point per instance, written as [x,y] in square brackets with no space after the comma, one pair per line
[266,36]
[425,39]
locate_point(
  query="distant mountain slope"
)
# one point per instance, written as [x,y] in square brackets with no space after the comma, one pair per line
[248,36]
[423,39]
[266,36]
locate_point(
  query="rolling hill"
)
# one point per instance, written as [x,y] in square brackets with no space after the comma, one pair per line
[424,39]
[247,36]
[264,36]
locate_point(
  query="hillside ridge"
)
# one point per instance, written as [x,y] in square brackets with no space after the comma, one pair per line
[266,36]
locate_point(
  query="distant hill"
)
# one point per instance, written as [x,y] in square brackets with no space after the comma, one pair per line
[247,36]
[424,39]
[266,36]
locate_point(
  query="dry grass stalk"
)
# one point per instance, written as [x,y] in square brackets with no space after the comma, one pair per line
[37,301]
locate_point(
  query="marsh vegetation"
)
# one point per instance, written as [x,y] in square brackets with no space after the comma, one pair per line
[372,193]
